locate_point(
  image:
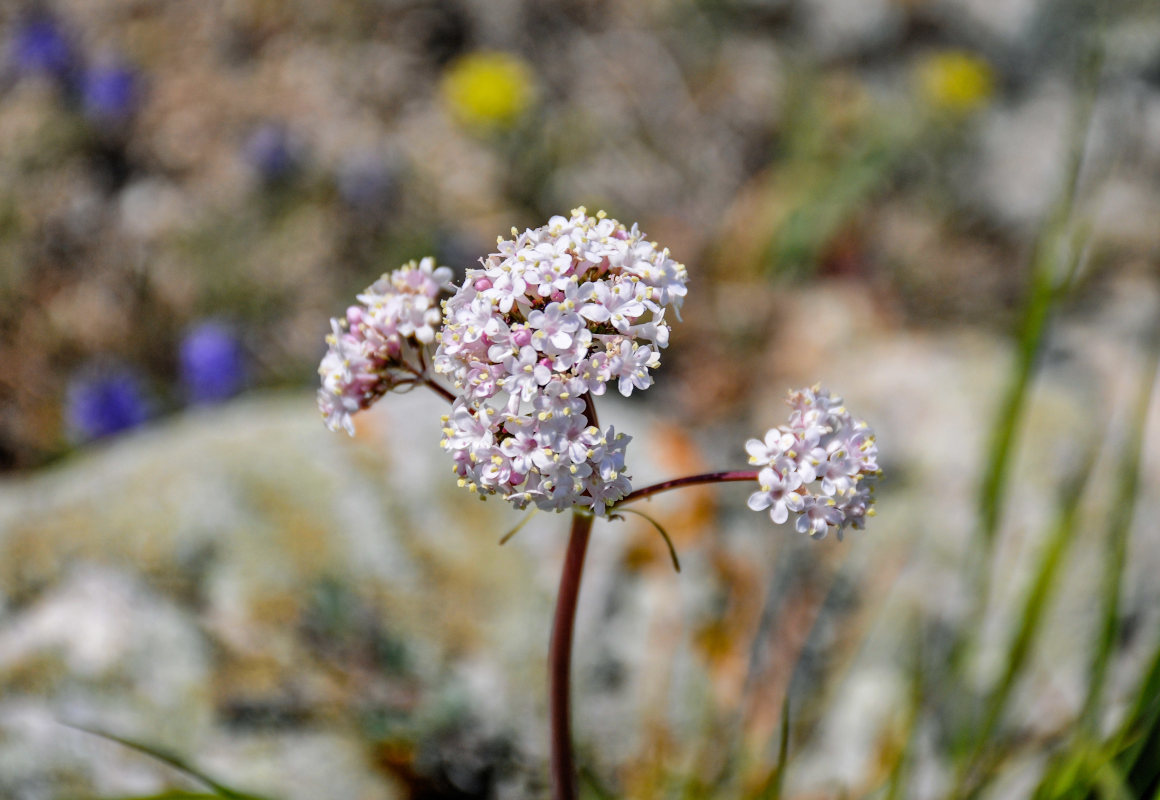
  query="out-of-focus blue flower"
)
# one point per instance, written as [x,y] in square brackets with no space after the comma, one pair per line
[109,92]
[103,403]
[367,183]
[39,46]
[270,152]
[213,365]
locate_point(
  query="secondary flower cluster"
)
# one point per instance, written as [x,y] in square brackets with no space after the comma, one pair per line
[557,313]
[820,467]
[365,356]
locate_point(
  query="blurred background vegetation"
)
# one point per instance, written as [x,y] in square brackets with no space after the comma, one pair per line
[949,210]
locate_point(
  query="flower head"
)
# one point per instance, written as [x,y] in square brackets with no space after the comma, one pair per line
[212,363]
[488,90]
[955,82]
[557,313]
[40,46]
[104,402]
[821,467]
[366,351]
[110,92]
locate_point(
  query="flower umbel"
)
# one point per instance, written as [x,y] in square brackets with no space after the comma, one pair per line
[820,468]
[555,315]
[367,348]
[527,341]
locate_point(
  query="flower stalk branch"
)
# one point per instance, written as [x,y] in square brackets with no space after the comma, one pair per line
[422,376]
[688,480]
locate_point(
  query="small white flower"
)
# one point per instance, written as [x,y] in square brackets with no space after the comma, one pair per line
[778,494]
[631,365]
[766,452]
[820,468]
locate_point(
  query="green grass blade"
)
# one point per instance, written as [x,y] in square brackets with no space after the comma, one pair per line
[1055,262]
[776,780]
[1138,738]
[1034,607]
[898,773]
[1119,527]
[171,760]
[166,796]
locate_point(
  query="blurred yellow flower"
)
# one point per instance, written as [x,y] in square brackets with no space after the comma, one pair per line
[488,89]
[955,81]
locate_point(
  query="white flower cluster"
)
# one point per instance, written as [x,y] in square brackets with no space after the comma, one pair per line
[365,356]
[821,467]
[557,313]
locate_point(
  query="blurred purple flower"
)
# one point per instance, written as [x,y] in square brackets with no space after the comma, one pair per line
[39,46]
[103,403]
[109,92]
[212,363]
[270,152]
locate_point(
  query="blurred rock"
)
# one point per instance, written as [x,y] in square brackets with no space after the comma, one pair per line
[285,588]
[1005,20]
[1023,154]
[850,27]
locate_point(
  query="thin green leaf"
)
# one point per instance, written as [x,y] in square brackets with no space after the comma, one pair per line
[169,759]
[664,534]
[518,527]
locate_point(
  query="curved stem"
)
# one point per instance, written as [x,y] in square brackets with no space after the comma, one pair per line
[562,766]
[439,390]
[422,377]
[689,480]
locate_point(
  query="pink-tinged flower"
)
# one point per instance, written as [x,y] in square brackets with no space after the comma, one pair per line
[631,365]
[817,515]
[366,349]
[555,313]
[525,373]
[820,468]
[778,494]
[765,452]
[554,325]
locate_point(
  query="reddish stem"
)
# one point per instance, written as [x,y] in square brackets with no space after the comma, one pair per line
[562,767]
[690,480]
[561,764]
[422,376]
[439,390]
